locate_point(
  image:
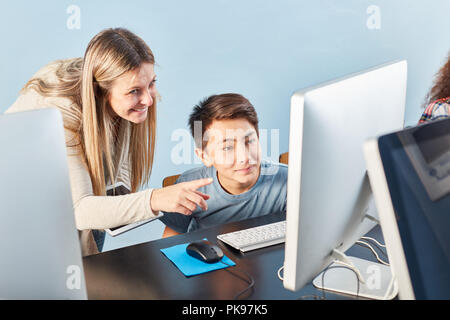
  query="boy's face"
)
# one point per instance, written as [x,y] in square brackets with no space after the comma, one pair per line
[233,149]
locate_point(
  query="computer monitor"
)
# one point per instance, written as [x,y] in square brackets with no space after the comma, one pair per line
[329,200]
[40,254]
[409,172]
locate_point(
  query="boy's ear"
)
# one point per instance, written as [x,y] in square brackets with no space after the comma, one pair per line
[203,155]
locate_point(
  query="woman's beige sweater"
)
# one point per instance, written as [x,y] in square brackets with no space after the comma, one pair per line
[91,212]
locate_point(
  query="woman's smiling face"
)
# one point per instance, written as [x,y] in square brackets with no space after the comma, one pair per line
[133,93]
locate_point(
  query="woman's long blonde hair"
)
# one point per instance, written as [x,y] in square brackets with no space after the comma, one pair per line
[87,82]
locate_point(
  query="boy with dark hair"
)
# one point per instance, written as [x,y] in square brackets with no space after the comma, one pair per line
[225,131]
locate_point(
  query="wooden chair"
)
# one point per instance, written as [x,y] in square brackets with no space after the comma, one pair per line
[284,158]
[170,180]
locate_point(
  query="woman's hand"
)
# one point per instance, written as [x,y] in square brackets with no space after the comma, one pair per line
[181,197]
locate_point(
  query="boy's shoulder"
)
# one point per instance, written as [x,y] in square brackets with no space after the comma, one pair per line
[269,163]
[270,167]
[196,173]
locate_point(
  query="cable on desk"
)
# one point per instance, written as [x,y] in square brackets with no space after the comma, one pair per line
[323,297]
[365,244]
[381,247]
[378,245]
[250,282]
[359,242]
[374,240]
[279,273]
[339,267]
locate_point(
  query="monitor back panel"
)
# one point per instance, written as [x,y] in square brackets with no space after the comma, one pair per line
[329,124]
[419,192]
[39,246]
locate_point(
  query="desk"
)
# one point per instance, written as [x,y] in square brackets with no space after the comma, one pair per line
[144,272]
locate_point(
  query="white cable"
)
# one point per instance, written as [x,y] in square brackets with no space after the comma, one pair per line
[349,266]
[374,240]
[279,273]
[373,251]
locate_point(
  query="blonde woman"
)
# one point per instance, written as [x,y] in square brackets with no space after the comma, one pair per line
[108,103]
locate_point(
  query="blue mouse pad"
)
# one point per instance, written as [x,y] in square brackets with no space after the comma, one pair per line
[191,266]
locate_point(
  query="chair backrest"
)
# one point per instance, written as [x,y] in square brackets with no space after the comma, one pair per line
[170,180]
[284,158]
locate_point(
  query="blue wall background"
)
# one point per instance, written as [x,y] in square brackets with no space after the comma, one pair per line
[264,50]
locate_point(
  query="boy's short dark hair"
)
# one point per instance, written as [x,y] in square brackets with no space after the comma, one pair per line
[220,107]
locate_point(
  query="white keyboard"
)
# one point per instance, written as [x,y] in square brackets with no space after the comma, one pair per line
[257,237]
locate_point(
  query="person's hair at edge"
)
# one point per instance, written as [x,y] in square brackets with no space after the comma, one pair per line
[220,107]
[441,84]
[87,81]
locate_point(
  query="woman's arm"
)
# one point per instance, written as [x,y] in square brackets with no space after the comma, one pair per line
[102,212]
